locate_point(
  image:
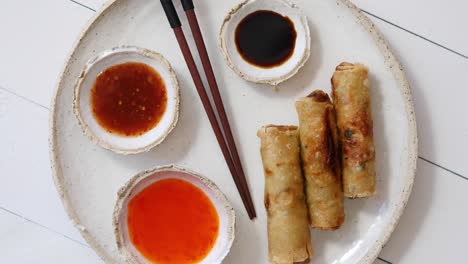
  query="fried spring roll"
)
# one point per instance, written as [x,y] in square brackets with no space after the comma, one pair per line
[287,220]
[320,160]
[352,104]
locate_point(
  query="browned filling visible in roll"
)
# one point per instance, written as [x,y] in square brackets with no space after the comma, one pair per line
[352,103]
[320,160]
[287,218]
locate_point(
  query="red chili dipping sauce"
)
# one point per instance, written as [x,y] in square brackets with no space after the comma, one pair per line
[129,99]
[172,222]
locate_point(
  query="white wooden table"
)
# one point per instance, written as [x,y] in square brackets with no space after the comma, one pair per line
[430,37]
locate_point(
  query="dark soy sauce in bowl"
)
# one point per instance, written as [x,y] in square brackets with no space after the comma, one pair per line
[265,38]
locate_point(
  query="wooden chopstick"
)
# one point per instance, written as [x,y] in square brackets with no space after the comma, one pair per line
[205,59]
[177,27]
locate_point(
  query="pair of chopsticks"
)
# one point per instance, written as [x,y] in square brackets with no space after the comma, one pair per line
[230,154]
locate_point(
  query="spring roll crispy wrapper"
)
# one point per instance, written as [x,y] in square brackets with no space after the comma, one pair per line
[352,104]
[320,160]
[287,220]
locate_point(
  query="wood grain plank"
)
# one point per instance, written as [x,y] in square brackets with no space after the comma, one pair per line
[440,21]
[432,227]
[22,242]
[436,77]
[27,187]
[35,42]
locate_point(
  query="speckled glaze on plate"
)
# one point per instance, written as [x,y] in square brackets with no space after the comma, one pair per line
[89,177]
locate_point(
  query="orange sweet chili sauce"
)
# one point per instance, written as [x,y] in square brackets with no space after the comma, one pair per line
[172,222]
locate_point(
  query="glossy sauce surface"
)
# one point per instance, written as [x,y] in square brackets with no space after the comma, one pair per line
[172,222]
[265,38]
[129,99]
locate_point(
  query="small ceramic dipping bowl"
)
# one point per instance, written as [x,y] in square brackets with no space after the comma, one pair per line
[267,28]
[135,195]
[154,63]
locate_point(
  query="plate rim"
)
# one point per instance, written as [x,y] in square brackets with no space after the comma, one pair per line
[391,62]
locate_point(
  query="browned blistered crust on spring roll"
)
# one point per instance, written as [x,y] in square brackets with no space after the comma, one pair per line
[352,104]
[320,160]
[287,220]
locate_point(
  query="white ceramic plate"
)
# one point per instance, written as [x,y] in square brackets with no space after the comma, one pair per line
[88,177]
